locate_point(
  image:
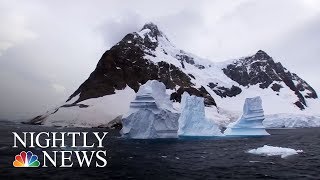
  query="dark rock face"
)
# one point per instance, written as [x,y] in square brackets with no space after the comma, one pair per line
[124,65]
[261,69]
[201,92]
[276,87]
[192,76]
[304,86]
[184,58]
[225,92]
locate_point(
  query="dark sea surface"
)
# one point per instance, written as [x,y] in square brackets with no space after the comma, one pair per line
[200,158]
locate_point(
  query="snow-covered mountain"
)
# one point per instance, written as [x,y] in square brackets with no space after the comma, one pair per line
[149,55]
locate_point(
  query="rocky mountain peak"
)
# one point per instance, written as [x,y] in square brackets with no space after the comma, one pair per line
[261,55]
[147,38]
[260,69]
[125,64]
[153,28]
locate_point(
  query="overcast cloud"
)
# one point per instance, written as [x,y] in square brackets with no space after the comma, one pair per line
[48,48]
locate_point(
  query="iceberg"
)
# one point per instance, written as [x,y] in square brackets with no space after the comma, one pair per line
[274,151]
[151,114]
[250,123]
[192,121]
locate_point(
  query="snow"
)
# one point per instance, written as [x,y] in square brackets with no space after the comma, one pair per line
[192,121]
[74,99]
[274,151]
[146,32]
[143,32]
[100,111]
[291,121]
[250,123]
[222,120]
[272,103]
[151,114]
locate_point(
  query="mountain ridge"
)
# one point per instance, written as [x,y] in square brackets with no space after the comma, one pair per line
[149,55]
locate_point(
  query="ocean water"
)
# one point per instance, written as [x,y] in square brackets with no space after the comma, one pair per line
[199,158]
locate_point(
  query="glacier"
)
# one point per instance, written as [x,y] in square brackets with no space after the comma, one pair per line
[192,120]
[250,123]
[151,114]
[291,120]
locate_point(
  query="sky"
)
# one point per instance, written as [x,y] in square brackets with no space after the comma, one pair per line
[48,48]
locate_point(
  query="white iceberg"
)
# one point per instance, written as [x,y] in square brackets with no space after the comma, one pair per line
[151,114]
[274,151]
[250,123]
[151,94]
[192,121]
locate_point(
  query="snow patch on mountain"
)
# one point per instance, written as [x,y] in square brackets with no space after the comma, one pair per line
[272,102]
[92,112]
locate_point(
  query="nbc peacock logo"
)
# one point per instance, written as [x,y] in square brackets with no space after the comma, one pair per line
[26,160]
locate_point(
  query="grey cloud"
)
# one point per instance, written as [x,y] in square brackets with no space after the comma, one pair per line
[56,44]
[115,29]
[299,50]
